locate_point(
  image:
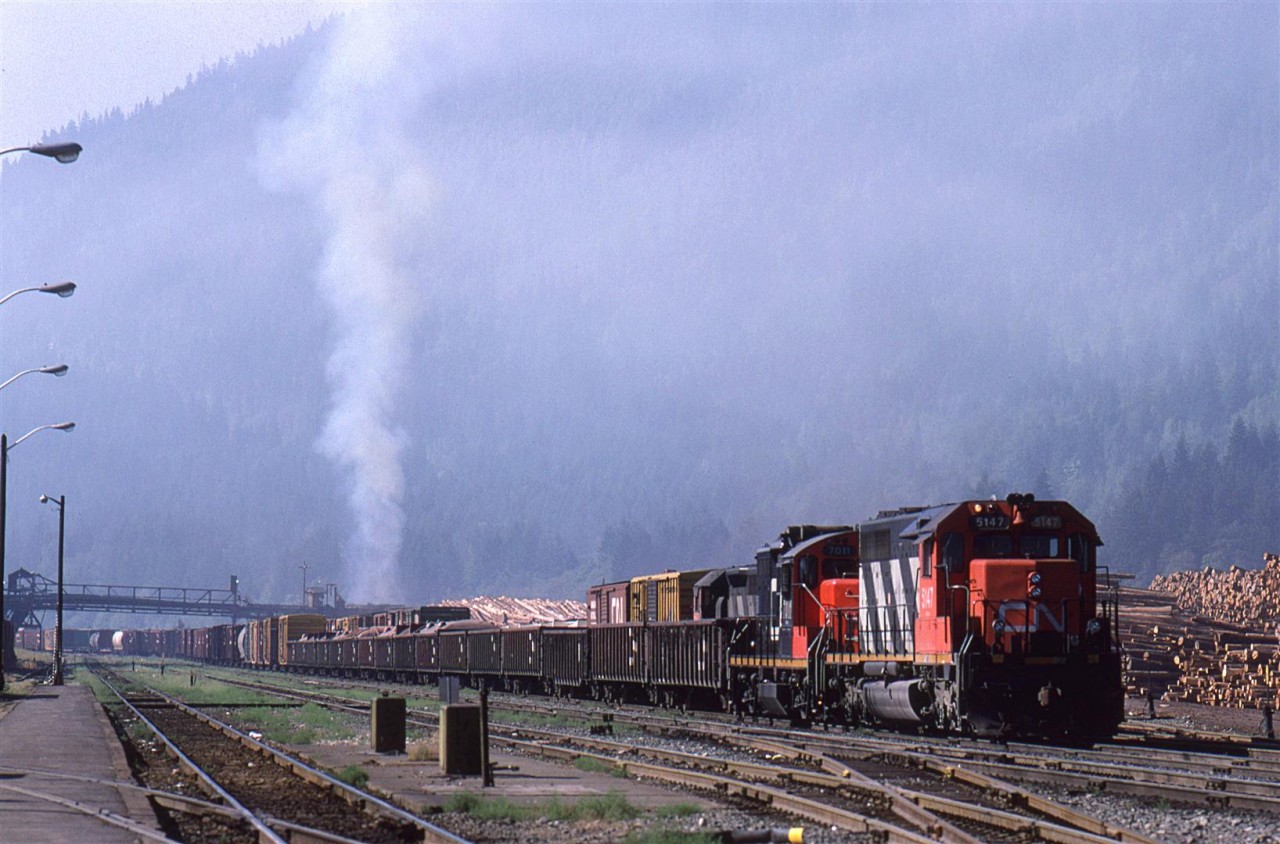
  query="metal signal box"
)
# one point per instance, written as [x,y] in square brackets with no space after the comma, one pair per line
[387,726]
[460,740]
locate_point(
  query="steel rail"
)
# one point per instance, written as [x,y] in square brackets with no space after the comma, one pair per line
[1007,821]
[934,828]
[1213,772]
[314,775]
[976,773]
[769,796]
[914,808]
[1195,796]
[1064,815]
[1111,773]
[265,833]
[177,802]
[104,815]
[181,802]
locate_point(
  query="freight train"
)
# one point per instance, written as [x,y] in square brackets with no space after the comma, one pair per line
[980,617]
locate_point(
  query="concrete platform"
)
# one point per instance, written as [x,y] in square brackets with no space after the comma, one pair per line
[51,742]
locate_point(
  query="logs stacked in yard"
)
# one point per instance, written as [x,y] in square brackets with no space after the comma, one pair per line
[1239,596]
[504,610]
[1205,637]
[1149,630]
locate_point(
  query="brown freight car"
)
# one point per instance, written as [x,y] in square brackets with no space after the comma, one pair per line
[607,603]
[566,658]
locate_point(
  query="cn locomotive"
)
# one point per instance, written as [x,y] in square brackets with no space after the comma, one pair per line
[980,617]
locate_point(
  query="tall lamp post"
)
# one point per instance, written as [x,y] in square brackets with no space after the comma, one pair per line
[61,501]
[64,152]
[5,448]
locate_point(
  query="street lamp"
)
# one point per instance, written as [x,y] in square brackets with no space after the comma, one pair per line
[5,448]
[61,501]
[62,288]
[56,371]
[64,152]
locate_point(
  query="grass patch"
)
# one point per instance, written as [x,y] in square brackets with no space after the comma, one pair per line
[354,776]
[305,724]
[206,691]
[592,765]
[535,719]
[424,751]
[100,690]
[139,732]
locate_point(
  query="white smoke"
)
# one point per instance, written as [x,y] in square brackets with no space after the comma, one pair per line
[349,148]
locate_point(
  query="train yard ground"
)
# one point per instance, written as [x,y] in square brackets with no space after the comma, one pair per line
[564,771]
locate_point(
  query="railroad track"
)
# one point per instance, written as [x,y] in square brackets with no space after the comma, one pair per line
[256,793]
[948,805]
[1219,772]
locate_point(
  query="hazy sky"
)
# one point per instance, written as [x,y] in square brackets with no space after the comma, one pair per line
[59,60]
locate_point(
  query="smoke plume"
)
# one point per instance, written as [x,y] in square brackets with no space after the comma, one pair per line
[347,146]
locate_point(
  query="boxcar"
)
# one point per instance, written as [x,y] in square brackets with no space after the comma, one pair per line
[607,603]
[663,597]
[75,640]
[292,627]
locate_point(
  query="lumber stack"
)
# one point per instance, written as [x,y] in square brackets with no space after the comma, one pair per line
[1205,637]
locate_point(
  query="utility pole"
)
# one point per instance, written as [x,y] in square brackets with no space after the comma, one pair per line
[304,568]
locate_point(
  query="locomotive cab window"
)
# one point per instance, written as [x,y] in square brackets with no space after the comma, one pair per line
[1038,546]
[839,567]
[808,569]
[1080,549]
[952,551]
[992,546]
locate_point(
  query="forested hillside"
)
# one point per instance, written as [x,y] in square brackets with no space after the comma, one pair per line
[661,293]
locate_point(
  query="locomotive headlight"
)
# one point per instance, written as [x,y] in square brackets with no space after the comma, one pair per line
[1035,591]
[1035,578]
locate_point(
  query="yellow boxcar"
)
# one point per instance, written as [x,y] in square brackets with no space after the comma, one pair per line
[292,628]
[663,597]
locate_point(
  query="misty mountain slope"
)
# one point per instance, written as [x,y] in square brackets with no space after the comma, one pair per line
[562,298]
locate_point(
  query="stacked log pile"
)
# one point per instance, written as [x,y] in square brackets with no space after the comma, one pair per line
[1149,630]
[1206,636]
[1238,596]
[504,610]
